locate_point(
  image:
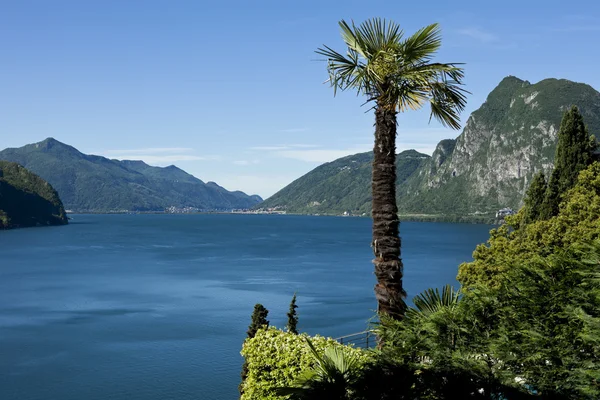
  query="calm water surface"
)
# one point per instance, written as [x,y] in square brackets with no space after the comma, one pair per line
[131,307]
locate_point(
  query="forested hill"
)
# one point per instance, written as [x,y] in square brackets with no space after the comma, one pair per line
[27,200]
[89,183]
[343,185]
[487,167]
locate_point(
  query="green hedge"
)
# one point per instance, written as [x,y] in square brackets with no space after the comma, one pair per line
[276,357]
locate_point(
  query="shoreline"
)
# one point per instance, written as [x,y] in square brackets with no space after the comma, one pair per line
[448,218]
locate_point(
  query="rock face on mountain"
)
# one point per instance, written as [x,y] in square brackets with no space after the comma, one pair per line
[490,164]
[89,183]
[27,200]
[504,143]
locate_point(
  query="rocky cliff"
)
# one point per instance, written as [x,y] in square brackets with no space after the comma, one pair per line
[504,143]
[487,167]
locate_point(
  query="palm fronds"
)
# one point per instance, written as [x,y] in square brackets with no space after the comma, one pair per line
[432,300]
[397,72]
[331,377]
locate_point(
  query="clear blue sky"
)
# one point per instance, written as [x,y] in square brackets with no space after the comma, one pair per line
[231,91]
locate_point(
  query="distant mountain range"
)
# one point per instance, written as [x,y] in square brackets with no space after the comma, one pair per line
[89,183]
[27,200]
[488,166]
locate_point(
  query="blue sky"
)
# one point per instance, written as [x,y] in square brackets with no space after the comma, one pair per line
[232,91]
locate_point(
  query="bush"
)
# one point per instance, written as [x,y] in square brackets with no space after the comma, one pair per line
[275,358]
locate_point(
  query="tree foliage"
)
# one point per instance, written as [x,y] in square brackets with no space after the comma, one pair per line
[549,207]
[578,220]
[258,319]
[397,72]
[536,335]
[548,330]
[534,198]
[292,315]
[574,152]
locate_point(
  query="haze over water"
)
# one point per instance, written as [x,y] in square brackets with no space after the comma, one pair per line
[157,306]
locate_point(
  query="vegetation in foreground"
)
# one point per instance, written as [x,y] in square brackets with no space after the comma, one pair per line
[531,333]
[524,325]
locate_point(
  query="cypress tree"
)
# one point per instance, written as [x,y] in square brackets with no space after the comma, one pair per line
[292,324]
[535,197]
[574,152]
[551,201]
[258,320]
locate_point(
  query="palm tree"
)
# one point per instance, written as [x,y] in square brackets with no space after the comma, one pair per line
[396,74]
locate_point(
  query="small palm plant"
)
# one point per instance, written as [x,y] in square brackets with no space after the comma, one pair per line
[332,377]
[433,325]
[432,300]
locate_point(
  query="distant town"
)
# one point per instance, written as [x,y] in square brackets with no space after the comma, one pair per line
[194,210]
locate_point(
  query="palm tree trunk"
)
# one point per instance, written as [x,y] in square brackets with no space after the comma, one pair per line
[386,240]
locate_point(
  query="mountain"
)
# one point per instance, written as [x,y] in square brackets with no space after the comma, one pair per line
[341,186]
[27,200]
[487,167]
[97,184]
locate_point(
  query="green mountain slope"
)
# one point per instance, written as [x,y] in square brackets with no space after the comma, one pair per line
[97,184]
[26,199]
[487,167]
[340,186]
[504,144]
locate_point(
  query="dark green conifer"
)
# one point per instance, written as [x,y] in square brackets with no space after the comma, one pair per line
[535,197]
[258,320]
[574,152]
[292,324]
[551,201]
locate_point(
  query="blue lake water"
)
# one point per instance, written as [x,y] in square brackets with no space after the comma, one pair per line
[131,307]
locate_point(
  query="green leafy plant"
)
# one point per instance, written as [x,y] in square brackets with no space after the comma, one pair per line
[333,376]
[276,359]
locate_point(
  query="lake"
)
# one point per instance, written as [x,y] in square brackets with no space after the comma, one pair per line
[131,307]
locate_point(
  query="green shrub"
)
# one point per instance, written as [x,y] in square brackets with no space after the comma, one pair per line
[275,358]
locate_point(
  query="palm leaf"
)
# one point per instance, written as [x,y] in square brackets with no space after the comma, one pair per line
[432,300]
[332,372]
[421,46]
[397,72]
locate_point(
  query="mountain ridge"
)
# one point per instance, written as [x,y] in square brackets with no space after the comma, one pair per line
[91,183]
[488,166]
